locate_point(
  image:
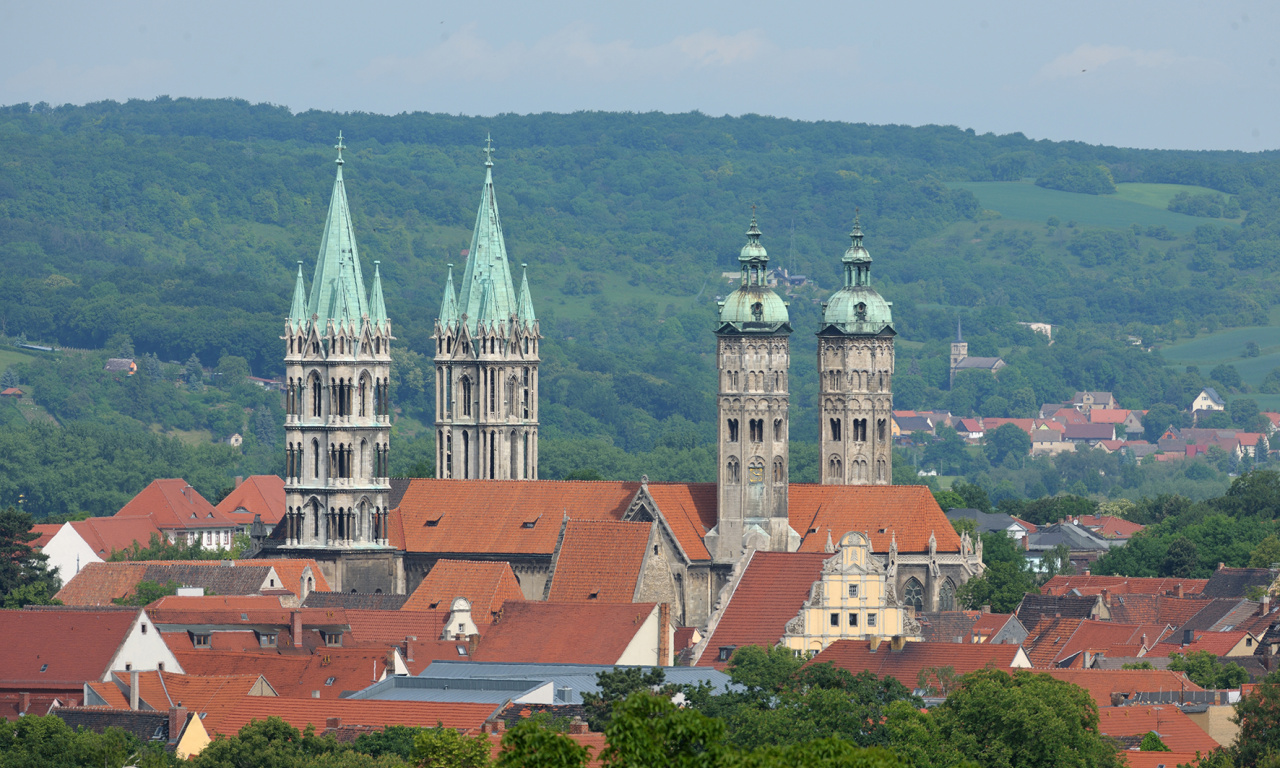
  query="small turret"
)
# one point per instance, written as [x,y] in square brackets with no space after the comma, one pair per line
[753,306]
[449,305]
[377,305]
[298,311]
[857,308]
[524,309]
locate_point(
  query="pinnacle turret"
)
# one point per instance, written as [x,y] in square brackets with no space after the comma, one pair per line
[449,306]
[524,310]
[298,311]
[377,305]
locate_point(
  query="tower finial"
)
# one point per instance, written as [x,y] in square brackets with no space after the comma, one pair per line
[856,234]
[488,150]
[959,337]
[339,146]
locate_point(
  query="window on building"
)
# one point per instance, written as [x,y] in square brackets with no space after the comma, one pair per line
[853,620]
[757,430]
[835,429]
[880,429]
[947,596]
[733,430]
[853,590]
[726,652]
[267,639]
[913,594]
[200,640]
[777,430]
[835,619]
[871,619]
[333,639]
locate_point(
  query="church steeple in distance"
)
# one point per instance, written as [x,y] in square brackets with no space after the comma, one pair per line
[487,357]
[338,415]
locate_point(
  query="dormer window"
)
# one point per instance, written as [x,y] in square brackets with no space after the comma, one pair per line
[757,312]
[267,639]
[726,652]
[333,639]
[200,640]
[330,681]
[860,311]
[44,667]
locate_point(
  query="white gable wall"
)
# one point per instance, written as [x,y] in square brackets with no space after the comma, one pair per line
[68,552]
[643,648]
[143,649]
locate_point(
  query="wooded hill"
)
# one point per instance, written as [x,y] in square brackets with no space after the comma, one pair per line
[179,223]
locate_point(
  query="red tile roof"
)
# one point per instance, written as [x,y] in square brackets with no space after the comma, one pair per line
[1119,585]
[600,560]
[100,583]
[1110,526]
[45,531]
[770,593]
[392,627]
[1108,637]
[1047,638]
[257,495]
[56,648]
[906,665]
[172,504]
[105,535]
[486,585]
[1217,643]
[908,513]
[1155,609]
[300,713]
[1137,759]
[289,570]
[296,673]
[563,633]
[1177,731]
[988,624]
[690,511]
[1108,415]
[162,690]
[500,516]
[1102,683]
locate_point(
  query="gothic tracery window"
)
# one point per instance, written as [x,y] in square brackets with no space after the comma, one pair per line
[913,594]
[947,596]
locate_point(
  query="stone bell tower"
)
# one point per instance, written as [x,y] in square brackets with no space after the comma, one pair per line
[338,422]
[855,371]
[753,356]
[486,360]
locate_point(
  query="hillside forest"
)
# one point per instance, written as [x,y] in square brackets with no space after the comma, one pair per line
[169,231]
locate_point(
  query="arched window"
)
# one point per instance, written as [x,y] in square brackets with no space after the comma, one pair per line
[493,454]
[777,430]
[733,430]
[466,395]
[315,456]
[732,471]
[833,468]
[364,394]
[947,596]
[880,423]
[466,455]
[779,471]
[315,395]
[757,430]
[525,385]
[515,458]
[835,429]
[913,594]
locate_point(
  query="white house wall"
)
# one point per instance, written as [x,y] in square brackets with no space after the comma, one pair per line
[643,648]
[143,649]
[68,553]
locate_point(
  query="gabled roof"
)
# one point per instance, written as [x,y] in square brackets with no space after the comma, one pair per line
[1235,582]
[174,504]
[947,626]
[364,601]
[1108,636]
[300,713]
[290,571]
[771,591]
[906,665]
[1089,432]
[45,532]
[690,512]
[56,648]
[1101,683]
[1135,759]
[146,725]
[1213,396]
[500,517]
[100,583]
[1177,731]
[885,513]
[1217,643]
[392,627]
[989,625]
[257,495]
[600,560]
[105,535]
[161,690]
[1110,526]
[1108,415]
[1034,606]
[1155,609]
[563,633]
[1047,638]
[485,585]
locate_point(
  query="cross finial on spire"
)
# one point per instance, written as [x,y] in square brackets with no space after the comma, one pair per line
[488,150]
[339,146]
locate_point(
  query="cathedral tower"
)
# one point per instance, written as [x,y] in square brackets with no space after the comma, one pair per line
[487,361]
[753,356]
[855,371]
[338,420]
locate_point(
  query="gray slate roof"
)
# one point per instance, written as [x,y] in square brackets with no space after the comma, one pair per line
[1235,582]
[363,601]
[218,580]
[147,725]
[1034,606]
[986,522]
[1076,537]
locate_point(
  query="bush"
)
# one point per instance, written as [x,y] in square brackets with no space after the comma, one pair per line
[1078,177]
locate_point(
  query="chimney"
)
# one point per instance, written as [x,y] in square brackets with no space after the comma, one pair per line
[664,635]
[577,726]
[239,480]
[1106,598]
[332,722]
[296,629]
[1086,572]
[1188,636]
[1265,608]
[1221,566]
[133,689]
[1144,639]
[177,719]
[24,702]
[985,609]
[897,643]
[1177,591]
[408,648]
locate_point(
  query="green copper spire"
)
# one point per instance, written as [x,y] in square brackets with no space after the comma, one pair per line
[377,305]
[298,312]
[857,309]
[524,310]
[449,306]
[487,265]
[754,307]
[490,310]
[337,282]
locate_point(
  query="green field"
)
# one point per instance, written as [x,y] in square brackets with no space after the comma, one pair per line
[9,357]
[1158,195]
[1024,201]
[1227,347]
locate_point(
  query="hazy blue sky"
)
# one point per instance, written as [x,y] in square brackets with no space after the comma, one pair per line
[1198,75]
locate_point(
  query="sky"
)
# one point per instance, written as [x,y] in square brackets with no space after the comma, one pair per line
[1173,74]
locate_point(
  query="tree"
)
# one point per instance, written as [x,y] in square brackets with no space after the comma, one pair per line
[1266,553]
[528,745]
[648,730]
[231,372]
[1005,581]
[616,686]
[1180,559]
[21,567]
[1258,716]
[1157,419]
[1205,670]
[1025,720]
[193,372]
[442,747]
[946,452]
[1006,440]
[829,752]
[9,379]
[1152,743]
[147,592]
[974,496]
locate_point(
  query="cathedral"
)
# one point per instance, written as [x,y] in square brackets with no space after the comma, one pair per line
[678,543]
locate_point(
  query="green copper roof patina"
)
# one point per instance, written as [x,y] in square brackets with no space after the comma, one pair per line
[377,305]
[857,308]
[449,306]
[337,290]
[525,308]
[486,278]
[298,311]
[753,307]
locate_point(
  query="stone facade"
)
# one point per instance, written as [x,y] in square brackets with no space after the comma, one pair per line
[856,408]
